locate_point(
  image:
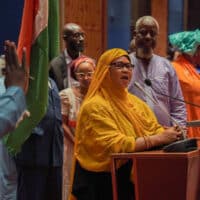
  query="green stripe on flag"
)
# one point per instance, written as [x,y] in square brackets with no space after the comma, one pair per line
[54,29]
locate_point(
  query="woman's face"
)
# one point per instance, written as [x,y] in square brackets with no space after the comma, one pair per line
[84,74]
[121,72]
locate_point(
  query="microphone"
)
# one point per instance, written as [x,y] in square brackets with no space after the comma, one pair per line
[148,83]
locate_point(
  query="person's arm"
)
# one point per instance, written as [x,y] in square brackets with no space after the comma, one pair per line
[12,102]
[178,108]
[105,133]
[12,106]
[67,132]
[66,103]
[168,136]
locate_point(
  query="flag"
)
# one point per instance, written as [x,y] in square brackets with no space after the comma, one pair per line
[39,33]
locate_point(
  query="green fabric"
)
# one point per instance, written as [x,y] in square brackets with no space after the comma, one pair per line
[54,29]
[43,50]
[186,42]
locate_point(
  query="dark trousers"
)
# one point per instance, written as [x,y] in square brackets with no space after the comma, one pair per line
[89,185]
[39,183]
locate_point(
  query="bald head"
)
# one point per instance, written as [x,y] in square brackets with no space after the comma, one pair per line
[146,21]
[71,28]
[73,36]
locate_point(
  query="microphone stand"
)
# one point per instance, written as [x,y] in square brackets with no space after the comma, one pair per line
[148,83]
[155,102]
[161,107]
[195,123]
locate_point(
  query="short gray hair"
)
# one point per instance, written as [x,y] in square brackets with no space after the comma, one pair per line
[147,19]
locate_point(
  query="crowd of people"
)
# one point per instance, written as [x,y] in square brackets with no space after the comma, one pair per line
[126,101]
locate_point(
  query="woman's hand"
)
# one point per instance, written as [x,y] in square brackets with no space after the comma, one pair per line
[170,135]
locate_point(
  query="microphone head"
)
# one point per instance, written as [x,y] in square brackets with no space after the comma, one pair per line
[147,82]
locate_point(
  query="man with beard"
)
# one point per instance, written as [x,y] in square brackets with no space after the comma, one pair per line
[156,76]
[73,36]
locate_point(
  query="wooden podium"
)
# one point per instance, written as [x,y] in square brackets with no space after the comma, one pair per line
[159,175]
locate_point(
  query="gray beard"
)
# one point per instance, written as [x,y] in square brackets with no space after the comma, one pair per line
[144,53]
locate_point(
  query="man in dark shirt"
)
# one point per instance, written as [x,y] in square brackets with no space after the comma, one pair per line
[73,36]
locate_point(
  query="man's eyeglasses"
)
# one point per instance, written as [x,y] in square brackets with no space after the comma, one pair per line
[121,65]
[78,35]
[74,35]
[82,75]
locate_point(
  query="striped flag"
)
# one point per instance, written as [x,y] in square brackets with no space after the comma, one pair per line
[40,35]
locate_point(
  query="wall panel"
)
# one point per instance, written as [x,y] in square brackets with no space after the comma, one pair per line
[92,16]
[159,10]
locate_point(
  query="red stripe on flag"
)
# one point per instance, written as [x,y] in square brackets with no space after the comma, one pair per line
[27,29]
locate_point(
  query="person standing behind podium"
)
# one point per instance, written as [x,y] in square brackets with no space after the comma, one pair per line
[188,43]
[111,120]
[59,71]
[156,75]
[12,102]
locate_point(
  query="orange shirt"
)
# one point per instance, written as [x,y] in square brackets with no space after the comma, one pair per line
[190,85]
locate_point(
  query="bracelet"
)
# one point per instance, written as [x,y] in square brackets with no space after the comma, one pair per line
[150,143]
[147,142]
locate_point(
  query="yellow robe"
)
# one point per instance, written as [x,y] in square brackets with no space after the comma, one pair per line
[101,132]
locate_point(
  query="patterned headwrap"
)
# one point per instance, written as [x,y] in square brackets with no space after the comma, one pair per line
[75,63]
[186,42]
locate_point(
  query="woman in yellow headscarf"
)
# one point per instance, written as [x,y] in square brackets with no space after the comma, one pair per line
[112,121]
